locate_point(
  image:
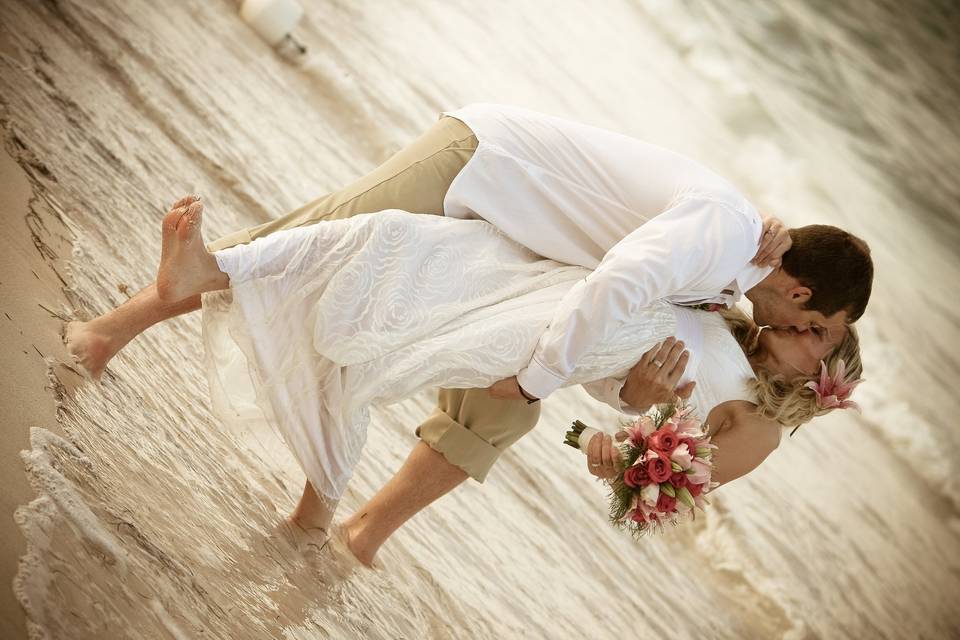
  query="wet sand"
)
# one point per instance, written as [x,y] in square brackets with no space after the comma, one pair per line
[31,247]
[144,519]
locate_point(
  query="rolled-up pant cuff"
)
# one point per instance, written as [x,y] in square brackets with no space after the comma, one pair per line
[460,446]
[240,236]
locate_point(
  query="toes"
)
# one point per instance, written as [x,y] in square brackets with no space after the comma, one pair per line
[169,230]
[184,201]
[190,223]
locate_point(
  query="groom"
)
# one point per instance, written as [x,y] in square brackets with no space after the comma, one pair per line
[651,223]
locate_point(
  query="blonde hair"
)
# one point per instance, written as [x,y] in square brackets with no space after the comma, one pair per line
[790,402]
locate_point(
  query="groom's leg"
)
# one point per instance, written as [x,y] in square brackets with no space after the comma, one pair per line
[464,437]
[414,179]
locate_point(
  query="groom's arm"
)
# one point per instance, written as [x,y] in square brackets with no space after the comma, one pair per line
[697,245]
[607,391]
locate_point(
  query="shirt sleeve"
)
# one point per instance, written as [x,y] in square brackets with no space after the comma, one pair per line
[696,245]
[607,391]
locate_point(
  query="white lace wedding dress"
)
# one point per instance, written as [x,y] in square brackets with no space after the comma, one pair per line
[324,320]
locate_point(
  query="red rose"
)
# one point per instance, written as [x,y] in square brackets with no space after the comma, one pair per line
[694,489]
[638,516]
[659,468]
[679,479]
[636,476]
[663,440]
[666,504]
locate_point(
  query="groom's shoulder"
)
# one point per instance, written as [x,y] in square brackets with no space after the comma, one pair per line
[727,211]
[723,195]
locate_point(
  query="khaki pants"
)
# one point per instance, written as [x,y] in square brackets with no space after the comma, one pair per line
[468,427]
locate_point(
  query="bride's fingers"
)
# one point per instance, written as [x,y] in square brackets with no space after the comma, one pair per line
[686,390]
[607,453]
[593,454]
[776,243]
[772,233]
[774,257]
[663,352]
[649,355]
[678,368]
[670,360]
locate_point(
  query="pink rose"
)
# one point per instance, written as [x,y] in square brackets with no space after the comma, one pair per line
[636,476]
[659,468]
[666,504]
[679,479]
[663,440]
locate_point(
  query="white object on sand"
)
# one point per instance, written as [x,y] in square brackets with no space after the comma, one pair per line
[273,20]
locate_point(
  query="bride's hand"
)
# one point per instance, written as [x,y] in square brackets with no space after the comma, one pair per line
[654,379]
[506,389]
[774,242]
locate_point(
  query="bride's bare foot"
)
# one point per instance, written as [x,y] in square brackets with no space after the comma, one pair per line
[303,537]
[90,349]
[186,267]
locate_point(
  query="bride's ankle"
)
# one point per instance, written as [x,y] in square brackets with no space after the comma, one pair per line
[311,522]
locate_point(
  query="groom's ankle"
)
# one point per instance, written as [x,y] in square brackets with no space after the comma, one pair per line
[358,543]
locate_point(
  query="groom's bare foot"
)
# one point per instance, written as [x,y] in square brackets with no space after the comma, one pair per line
[89,348]
[352,537]
[186,267]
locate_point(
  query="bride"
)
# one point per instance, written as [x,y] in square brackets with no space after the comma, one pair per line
[305,328]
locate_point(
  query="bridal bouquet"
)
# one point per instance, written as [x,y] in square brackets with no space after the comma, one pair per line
[667,458]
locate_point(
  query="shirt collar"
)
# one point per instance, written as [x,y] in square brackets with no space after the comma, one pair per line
[749,277]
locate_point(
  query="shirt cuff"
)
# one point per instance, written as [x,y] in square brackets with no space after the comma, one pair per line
[539,381]
[615,401]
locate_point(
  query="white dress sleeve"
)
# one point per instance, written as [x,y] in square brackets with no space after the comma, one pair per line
[696,245]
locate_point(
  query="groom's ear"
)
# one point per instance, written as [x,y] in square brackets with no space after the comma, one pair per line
[799,294]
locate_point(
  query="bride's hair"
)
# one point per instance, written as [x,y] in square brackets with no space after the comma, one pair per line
[790,402]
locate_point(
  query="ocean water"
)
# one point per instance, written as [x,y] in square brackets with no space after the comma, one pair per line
[152,522]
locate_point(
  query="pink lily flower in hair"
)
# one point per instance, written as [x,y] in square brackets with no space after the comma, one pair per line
[832,393]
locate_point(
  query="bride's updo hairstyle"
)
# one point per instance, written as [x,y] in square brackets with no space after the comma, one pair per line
[790,402]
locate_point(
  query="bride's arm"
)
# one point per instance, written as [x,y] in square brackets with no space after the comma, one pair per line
[744,439]
[647,383]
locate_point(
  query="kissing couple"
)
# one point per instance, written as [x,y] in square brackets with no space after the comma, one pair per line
[552,253]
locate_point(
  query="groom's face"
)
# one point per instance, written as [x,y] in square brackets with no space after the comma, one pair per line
[784,314]
[779,302]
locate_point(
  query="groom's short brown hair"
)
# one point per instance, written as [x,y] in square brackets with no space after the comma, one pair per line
[835,265]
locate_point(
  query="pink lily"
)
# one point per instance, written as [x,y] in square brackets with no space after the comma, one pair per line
[682,456]
[832,393]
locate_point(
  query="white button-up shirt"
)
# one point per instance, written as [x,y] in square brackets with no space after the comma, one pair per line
[650,222]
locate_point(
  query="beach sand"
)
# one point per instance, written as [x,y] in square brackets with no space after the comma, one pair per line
[140,517]
[32,246]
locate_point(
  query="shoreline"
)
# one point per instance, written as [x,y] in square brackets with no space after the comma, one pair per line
[30,276]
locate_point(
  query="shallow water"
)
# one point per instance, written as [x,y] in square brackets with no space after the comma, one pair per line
[156,523]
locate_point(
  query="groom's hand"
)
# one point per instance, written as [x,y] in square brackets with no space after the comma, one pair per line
[654,379]
[774,242]
[506,389]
